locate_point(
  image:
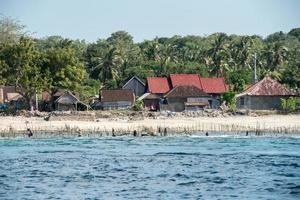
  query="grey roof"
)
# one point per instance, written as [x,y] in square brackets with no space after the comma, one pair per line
[67,98]
[137,78]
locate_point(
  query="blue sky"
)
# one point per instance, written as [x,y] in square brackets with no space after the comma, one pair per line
[94,19]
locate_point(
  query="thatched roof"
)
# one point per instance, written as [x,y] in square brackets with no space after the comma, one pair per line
[67,98]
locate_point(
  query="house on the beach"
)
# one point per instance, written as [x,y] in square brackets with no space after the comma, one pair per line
[136,85]
[214,87]
[185,98]
[263,95]
[151,101]
[160,86]
[116,99]
[69,102]
[9,94]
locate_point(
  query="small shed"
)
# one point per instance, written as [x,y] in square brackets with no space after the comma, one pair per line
[186,97]
[136,85]
[263,95]
[69,102]
[116,99]
[151,101]
[9,94]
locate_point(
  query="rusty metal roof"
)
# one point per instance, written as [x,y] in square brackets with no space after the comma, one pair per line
[267,87]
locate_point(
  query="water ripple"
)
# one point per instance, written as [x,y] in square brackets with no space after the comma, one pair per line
[150,168]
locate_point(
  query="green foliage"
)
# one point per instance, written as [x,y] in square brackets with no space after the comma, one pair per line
[138,105]
[55,63]
[64,69]
[239,78]
[291,104]
[229,99]
[23,61]
[90,88]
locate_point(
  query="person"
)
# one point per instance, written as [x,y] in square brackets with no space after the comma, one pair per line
[30,134]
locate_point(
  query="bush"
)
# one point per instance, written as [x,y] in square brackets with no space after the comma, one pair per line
[291,104]
[229,99]
[138,105]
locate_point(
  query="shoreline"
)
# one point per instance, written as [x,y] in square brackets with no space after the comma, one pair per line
[258,125]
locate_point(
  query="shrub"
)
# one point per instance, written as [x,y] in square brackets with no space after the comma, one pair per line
[229,99]
[291,104]
[138,105]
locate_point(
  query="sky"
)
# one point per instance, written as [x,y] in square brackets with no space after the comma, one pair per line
[145,19]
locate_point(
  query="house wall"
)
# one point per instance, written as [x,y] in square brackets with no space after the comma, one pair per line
[137,87]
[116,105]
[64,107]
[260,102]
[215,101]
[174,104]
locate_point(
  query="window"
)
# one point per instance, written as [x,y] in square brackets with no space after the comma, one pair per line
[242,101]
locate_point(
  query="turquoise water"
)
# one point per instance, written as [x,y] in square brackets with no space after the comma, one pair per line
[150,168]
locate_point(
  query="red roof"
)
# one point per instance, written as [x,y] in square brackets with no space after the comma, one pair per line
[185,79]
[267,87]
[213,85]
[158,85]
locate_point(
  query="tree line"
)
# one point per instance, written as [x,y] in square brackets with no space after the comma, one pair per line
[53,63]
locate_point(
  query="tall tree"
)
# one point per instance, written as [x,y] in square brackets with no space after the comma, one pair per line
[24,68]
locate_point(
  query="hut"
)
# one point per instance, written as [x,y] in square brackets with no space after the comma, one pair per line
[116,99]
[136,85]
[151,101]
[263,95]
[186,97]
[69,102]
[9,94]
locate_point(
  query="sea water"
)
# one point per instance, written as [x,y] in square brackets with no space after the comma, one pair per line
[150,168]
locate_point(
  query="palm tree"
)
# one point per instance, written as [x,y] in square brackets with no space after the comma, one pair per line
[218,55]
[109,64]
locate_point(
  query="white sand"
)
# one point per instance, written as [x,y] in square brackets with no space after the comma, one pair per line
[271,122]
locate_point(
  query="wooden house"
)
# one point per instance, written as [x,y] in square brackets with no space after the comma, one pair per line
[151,101]
[136,85]
[116,99]
[263,95]
[69,102]
[9,94]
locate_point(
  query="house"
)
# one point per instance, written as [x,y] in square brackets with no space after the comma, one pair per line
[69,102]
[9,94]
[135,84]
[116,99]
[151,101]
[215,87]
[185,97]
[263,95]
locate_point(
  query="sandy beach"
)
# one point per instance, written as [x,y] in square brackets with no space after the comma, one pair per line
[268,123]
